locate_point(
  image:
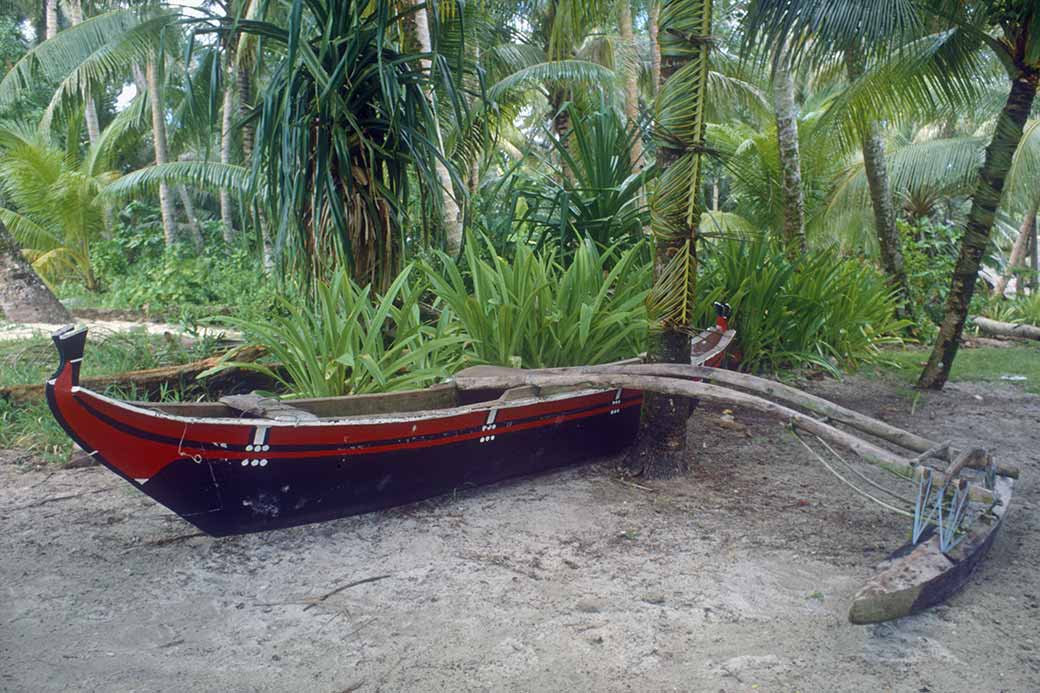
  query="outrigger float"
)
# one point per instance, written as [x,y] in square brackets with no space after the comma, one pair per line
[248,464]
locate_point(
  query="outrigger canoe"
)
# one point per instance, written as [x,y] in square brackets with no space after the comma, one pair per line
[246,464]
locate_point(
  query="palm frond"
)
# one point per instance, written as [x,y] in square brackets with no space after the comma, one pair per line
[204,175]
[27,232]
[111,60]
[562,71]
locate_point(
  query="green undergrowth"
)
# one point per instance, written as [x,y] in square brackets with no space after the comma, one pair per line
[983,364]
[138,273]
[31,361]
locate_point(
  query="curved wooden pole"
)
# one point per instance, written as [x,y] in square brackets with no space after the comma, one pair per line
[784,393]
[482,378]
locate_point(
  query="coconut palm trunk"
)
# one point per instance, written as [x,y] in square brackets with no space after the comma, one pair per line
[90,115]
[631,83]
[660,450]
[23,295]
[451,217]
[1018,250]
[193,221]
[792,199]
[161,150]
[245,103]
[655,47]
[876,170]
[51,13]
[984,203]
[226,211]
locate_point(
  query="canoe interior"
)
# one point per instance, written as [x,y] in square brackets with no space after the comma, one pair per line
[705,346]
[430,399]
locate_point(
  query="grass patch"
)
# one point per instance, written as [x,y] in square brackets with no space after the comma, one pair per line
[31,427]
[983,364]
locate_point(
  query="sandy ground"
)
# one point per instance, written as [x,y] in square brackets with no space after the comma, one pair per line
[737,578]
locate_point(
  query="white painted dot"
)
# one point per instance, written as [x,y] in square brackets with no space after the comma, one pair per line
[263,462]
[245,463]
[255,462]
[249,448]
[266,448]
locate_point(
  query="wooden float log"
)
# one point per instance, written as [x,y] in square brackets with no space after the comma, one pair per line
[915,578]
[779,391]
[490,377]
[1007,329]
[148,380]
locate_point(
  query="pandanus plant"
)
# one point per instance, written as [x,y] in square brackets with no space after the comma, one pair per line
[344,129]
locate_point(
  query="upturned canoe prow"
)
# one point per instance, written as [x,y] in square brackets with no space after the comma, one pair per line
[70,343]
[916,577]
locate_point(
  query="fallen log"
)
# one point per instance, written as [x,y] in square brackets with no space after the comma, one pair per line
[1007,329]
[483,378]
[151,380]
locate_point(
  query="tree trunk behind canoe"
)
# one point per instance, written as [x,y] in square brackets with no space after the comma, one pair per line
[451,218]
[1018,250]
[227,113]
[51,14]
[660,448]
[90,116]
[631,83]
[790,161]
[245,103]
[876,170]
[193,222]
[655,48]
[23,295]
[161,150]
[984,203]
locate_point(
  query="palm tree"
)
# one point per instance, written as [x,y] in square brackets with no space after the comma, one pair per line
[161,148]
[819,33]
[631,80]
[100,50]
[946,66]
[792,197]
[1017,45]
[1018,251]
[876,171]
[685,30]
[54,208]
[451,216]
